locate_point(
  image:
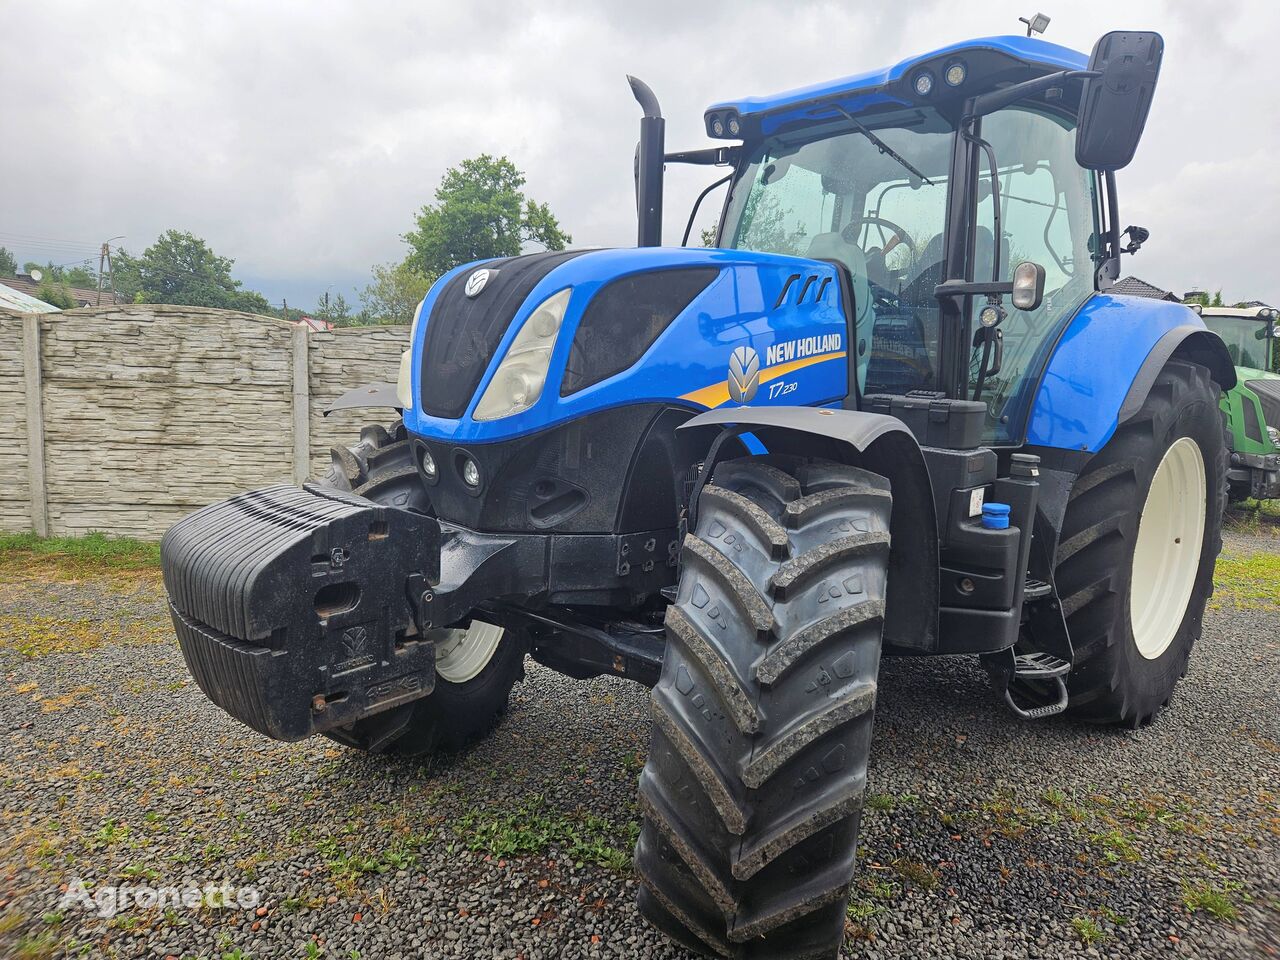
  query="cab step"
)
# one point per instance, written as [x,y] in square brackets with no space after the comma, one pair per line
[1036,589]
[1033,685]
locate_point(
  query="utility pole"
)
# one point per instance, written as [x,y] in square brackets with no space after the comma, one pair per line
[104,256]
[104,252]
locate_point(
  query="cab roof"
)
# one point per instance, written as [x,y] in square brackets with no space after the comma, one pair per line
[1251,313]
[988,59]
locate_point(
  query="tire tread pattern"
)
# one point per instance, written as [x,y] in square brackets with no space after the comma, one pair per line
[754,784]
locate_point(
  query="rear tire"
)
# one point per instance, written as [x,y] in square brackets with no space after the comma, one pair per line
[752,791]
[380,467]
[1132,636]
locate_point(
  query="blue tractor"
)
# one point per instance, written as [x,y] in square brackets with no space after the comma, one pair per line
[894,410]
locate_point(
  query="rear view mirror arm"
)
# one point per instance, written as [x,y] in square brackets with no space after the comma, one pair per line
[966,288]
[709,157]
[688,227]
[986,103]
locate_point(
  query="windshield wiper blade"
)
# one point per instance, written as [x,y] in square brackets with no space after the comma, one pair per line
[884,147]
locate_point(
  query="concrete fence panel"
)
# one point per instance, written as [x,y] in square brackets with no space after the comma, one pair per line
[125,418]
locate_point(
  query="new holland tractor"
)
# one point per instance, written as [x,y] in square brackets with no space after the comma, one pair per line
[894,410]
[1253,405]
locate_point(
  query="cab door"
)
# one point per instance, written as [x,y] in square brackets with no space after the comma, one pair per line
[1049,214]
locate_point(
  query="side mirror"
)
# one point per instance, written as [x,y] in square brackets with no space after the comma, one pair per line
[1137,237]
[1114,104]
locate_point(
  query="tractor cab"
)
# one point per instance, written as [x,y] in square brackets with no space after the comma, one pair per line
[1249,333]
[1252,406]
[905,177]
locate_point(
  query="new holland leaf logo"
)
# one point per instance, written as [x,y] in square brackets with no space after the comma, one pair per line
[355,640]
[477,282]
[744,374]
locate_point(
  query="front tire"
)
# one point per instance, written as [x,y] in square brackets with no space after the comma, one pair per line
[1141,535]
[752,791]
[476,665]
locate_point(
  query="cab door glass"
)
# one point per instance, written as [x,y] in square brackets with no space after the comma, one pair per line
[1048,214]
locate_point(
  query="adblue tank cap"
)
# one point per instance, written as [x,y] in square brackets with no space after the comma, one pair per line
[995,516]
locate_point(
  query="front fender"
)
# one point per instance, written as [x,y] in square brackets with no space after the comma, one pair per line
[882,445]
[1104,364]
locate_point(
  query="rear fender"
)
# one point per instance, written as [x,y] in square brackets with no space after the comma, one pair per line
[1105,363]
[882,445]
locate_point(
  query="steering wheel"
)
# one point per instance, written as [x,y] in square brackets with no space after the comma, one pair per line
[900,236]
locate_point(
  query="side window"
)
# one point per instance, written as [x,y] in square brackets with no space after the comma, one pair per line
[1048,214]
[786,217]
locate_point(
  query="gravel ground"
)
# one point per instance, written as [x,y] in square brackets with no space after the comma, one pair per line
[984,837]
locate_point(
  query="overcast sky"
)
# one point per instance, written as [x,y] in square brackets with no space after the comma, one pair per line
[299,138]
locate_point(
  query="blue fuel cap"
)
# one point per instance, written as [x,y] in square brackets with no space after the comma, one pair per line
[995,516]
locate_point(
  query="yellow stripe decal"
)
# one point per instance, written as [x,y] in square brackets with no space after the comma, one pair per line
[718,393]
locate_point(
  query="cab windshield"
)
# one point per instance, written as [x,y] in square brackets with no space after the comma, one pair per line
[839,195]
[836,195]
[1248,340]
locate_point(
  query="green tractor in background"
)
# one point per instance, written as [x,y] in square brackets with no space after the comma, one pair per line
[1252,406]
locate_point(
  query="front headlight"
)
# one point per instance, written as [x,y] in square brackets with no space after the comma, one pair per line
[517,383]
[404,382]
[1274,434]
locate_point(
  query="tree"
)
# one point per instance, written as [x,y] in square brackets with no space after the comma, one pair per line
[1204,299]
[481,211]
[335,311]
[56,294]
[395,293]
[8,265]
[79,275]
[75,275]
[181,268]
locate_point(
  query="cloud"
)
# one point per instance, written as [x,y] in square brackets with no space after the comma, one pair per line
[299,138]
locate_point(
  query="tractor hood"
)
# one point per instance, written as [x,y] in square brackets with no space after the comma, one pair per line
[503,348]
[1266,387]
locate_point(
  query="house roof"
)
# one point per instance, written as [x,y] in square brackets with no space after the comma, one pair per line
[84,296]
[1133,287]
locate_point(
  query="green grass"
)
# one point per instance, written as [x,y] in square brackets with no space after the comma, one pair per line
[916,872]
[1117,846]
[860,911]
[1250,582]
[94,552]
[1215,901]
[1088,930]
[531,827]
[39,946]
[881,803]
[1257,517]
[877,888]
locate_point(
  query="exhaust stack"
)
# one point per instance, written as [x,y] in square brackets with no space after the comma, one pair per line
[649,166]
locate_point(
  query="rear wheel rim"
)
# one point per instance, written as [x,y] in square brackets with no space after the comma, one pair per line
[1166,557]
[462,654]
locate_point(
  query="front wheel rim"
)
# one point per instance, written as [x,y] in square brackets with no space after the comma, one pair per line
[462,653]
[1166,557]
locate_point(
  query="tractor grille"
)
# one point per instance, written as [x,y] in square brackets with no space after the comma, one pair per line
[463,332]
[1268,392]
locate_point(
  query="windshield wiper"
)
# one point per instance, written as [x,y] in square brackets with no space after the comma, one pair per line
[883,147]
